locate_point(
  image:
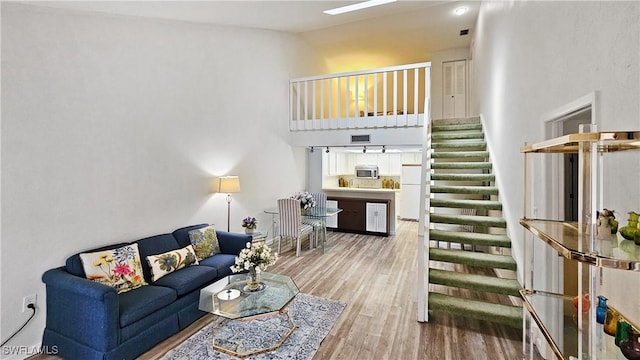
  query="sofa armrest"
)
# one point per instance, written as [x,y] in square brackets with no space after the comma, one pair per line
[81,309]
[232,243]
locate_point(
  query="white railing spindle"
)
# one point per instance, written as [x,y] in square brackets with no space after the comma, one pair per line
[352,104]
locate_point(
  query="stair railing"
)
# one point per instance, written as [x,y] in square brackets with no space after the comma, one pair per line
[423,219]
[384,97]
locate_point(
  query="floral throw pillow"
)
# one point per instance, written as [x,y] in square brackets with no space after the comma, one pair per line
[119,268]
[205,242]
[163,264]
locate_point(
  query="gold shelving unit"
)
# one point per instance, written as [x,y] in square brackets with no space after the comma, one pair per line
[568,335]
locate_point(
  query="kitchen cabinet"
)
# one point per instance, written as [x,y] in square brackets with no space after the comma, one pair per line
[390,164]
[343,163]
[568,334]
[361,215]
[395,163]
[332,221]
[352,218]
[366,159]
[335,163]
[377,217]
[411,158]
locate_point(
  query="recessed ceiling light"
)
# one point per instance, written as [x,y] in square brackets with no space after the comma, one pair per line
[357,6]
[460,10]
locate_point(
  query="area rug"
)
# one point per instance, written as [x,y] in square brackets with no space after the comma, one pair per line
[314,317]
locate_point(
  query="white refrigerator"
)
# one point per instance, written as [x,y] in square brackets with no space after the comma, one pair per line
[410,191]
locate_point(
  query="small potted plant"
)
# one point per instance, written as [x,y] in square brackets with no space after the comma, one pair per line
[249,224]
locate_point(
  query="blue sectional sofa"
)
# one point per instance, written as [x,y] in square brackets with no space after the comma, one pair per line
[89,320]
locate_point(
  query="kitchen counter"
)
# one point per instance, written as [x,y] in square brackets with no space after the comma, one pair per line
[368,194]
[360,190]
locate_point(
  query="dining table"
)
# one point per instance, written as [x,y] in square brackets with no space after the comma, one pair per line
[316,212]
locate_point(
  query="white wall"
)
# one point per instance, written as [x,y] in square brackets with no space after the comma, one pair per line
[531,57]
[113,126]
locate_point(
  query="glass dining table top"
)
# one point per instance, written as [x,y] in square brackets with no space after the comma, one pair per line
[315,211]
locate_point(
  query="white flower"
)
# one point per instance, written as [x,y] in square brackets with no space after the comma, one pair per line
[306,200]
[258,257]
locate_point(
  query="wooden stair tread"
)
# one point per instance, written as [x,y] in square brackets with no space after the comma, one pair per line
[503,314]
[473,258]
[466,204]
[475,220]
[475,282]
[470,238]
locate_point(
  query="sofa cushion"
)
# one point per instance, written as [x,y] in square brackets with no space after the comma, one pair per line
[222,262]
[205,242]
[119,268]
[182,234]
[155,245]
[166,263]
[74,264]
[188,279]
[135,305]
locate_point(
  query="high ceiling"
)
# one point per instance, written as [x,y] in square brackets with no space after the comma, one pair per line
[397,33]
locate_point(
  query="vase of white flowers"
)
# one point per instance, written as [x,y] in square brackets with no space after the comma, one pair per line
[306,200]
[255,258]
[249,224]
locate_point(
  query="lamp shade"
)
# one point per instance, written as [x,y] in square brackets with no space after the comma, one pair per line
[229,184]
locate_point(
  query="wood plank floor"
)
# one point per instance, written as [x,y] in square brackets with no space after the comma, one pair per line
[376,277]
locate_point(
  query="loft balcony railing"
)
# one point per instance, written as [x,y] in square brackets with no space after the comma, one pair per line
[397,96]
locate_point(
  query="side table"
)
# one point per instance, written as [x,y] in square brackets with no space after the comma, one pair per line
[258,237]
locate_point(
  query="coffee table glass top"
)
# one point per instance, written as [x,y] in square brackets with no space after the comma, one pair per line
[227,297]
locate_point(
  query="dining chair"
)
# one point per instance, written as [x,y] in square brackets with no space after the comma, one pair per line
[291,226]
[318,224]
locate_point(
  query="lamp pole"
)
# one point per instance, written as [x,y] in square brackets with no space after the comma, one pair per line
[229,184]
[228,212]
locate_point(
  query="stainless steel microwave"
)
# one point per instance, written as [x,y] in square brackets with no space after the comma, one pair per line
[367,171]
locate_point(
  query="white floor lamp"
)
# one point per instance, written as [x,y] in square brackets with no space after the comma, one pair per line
[229,184]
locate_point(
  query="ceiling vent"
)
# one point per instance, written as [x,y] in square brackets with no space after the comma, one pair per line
[464,32]
[359,139]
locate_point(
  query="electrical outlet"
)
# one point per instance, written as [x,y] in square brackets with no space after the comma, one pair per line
[29,299]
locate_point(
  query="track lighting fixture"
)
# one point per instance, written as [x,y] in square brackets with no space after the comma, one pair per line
[311,149]
[364,149]
[383,149]
[327,151]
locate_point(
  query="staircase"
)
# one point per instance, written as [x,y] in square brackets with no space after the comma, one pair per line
[465,217]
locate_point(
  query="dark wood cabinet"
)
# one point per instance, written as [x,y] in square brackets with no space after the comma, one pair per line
[353,217]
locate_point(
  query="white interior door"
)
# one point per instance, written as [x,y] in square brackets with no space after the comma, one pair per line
[454,89]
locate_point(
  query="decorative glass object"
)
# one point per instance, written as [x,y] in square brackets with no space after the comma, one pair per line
[601,310]
[611,322]
[622,331]
[630,346]
[253,281]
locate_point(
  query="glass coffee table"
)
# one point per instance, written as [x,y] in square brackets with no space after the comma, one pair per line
[248,311]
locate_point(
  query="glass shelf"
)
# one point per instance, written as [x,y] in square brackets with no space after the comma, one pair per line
[616,252]
[606,142]
[556,316]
